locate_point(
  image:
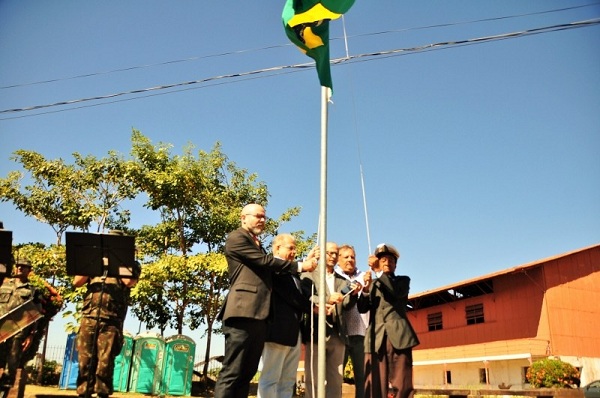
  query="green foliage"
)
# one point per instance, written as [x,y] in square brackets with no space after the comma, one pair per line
[49,274]
[50,374]
[551,373]
[71,195]
[198,196]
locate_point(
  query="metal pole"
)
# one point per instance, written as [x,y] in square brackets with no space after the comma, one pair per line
[322,243]
[43,358]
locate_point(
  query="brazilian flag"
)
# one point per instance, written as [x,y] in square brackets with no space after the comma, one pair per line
[306,24]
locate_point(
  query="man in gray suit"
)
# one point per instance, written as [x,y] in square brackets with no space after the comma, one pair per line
[390,337]
[336,287]
[248,303]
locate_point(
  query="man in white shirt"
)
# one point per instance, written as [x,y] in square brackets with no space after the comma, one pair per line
[356,323]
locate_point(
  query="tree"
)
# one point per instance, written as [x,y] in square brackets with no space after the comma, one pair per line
[70,195]
[200,198]
[49,197]
[63,196]
[552,373]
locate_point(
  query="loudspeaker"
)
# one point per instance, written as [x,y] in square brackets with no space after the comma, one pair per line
[6,258]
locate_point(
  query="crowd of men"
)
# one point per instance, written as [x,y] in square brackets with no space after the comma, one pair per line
[272,309]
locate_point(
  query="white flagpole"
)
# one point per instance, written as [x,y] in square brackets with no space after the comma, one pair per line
[323,244]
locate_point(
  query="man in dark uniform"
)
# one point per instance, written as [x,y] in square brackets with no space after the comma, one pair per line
[100,336]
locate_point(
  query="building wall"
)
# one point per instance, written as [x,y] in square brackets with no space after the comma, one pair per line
[573,298]
[552,302]
[467,374]
[513,311]
[549,308]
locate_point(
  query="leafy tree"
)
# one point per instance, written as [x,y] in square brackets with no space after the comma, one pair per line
[67,196]
[49,196]
[70,195]
[200,197]
[104,184]
[552,373]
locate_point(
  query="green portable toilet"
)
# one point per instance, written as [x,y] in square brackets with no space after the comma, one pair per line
[147,363]
[123,364]
[179,365]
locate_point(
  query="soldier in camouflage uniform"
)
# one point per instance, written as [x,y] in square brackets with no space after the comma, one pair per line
[14,292]
[100,336]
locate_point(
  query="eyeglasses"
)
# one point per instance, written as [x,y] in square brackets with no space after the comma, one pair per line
[290,248]
[259,216]
[332,254]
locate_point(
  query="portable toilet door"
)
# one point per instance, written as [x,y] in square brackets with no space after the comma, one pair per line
[147,363]
[179,365]
[123,364]
[70,369]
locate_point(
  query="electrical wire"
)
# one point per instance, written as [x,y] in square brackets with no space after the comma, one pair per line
[345,37]
[353,58]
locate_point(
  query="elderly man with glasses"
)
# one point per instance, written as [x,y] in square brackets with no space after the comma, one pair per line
[281,354]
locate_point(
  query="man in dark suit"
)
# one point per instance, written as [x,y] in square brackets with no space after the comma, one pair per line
[389,337]
[282,350]
[248,303]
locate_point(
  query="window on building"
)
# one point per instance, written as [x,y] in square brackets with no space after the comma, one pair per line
[448,377]
[482,376]
[434,321]
[474,314]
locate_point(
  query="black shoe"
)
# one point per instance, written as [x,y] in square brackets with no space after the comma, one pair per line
[7,379]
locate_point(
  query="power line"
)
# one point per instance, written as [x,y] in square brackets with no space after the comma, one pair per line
[354,58]
[196,58]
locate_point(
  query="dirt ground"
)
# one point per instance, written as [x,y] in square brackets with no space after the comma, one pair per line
[34,391]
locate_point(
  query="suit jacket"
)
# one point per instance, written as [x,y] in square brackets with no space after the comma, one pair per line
[386,303]
[335,322]
[289,305]
[250,272]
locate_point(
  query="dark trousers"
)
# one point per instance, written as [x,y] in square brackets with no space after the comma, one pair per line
[11,353]
[356,351]
[389,372]
[244,343]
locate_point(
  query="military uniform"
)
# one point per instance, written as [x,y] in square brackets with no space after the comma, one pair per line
[104,310]
[13,293]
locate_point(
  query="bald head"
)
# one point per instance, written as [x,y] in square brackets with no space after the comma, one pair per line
[254,218]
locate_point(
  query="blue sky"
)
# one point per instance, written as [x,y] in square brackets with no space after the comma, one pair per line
[475,158]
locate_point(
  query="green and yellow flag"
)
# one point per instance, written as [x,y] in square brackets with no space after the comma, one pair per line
[306,23]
